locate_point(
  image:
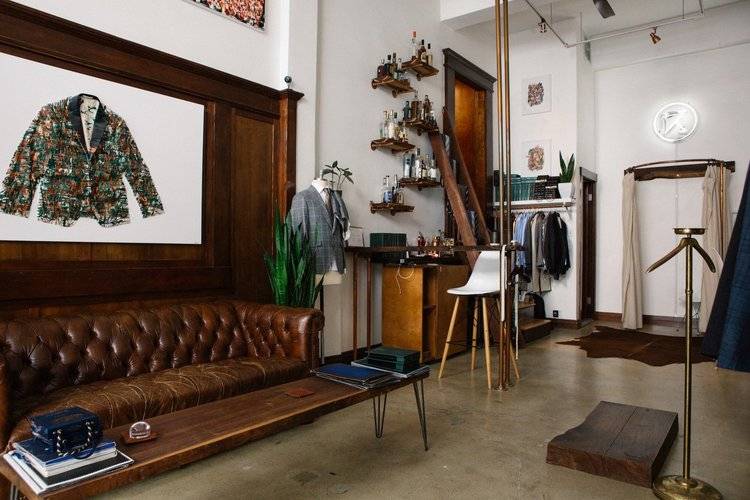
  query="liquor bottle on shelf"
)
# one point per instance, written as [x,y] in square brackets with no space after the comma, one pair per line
[406,163]
[416,168]
[383,189]
[416,106]
[429,54]
[381,72]
[388,70]
[387,189]
[399,71]
[392,126]
[414,44]
[432,173]
[384,126]
[394,66]
[426,107]
[394,190]
[421,52]
[406,111]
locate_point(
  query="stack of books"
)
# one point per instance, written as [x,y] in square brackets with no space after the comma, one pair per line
[401,363]
[355,376]
[43,470]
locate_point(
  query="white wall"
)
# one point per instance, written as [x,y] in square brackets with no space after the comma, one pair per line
[705,63]
[354,35]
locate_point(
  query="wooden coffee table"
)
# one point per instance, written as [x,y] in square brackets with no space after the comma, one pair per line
[192,434]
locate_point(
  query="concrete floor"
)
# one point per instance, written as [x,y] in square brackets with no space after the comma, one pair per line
[482,444]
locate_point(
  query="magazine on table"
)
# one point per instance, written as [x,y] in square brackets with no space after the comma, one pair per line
[40,484]
[47,462]
[364,363]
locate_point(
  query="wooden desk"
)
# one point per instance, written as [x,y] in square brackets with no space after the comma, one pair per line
[367,253]
[192,434]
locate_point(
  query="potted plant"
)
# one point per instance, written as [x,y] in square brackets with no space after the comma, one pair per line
[565,187]
[291,268]
[337,175]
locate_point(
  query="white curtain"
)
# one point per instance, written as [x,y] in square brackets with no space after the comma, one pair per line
[716,226]
[632,287]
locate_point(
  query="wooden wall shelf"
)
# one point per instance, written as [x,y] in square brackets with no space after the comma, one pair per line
[418,183]
[392,144]
[419,68]
[393,208]
[396,86]
[420,126]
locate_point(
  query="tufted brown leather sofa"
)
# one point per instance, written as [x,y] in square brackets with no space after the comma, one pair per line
[136,364]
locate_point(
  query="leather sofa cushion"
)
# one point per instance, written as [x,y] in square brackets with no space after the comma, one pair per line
[127,400]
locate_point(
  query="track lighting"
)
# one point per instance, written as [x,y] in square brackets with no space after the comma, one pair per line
[542,26]
[654,37]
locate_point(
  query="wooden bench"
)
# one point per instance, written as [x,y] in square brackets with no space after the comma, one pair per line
[190,435]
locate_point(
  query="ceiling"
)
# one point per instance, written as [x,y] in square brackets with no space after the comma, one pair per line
[628,13]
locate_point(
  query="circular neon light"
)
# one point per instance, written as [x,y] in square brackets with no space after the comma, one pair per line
[675,122]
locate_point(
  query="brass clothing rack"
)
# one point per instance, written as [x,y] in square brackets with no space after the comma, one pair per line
[686,169]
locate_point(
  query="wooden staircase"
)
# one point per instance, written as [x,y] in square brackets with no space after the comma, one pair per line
[453,192]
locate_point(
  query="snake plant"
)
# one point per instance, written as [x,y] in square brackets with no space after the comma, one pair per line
[291,266]
[566,170]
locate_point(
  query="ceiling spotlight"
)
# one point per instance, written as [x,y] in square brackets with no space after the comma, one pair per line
[654,37]
[542,26]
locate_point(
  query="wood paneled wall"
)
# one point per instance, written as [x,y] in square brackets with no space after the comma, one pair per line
[248,169]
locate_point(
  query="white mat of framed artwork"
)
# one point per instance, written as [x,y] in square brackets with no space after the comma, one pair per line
[537,94]
[167,131]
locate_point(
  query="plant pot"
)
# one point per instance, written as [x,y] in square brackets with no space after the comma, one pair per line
[565,189]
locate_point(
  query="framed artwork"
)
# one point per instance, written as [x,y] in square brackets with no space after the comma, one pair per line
[247,12]
[83,159]
[537,95]
[536,156]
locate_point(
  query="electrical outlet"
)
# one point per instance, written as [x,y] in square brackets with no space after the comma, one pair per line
[555,313]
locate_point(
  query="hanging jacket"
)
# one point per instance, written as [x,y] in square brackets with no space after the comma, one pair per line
[79,164]
[727,335]
[556,257]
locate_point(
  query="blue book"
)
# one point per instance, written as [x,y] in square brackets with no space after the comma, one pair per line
[357,376]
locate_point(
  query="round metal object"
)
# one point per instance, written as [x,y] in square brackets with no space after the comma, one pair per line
[675,122]
[679,488]
[687,231]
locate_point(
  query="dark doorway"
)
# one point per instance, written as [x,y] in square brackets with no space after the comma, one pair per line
[468,100]
[588,247]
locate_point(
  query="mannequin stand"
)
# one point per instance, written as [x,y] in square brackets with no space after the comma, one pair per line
[685,487]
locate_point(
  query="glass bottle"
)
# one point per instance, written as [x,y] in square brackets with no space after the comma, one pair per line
[388,67]
[383,190]
[426,107]
[432,173]
[417,165]
[421,52]
[387,189]
[416,105]
[429,54]
[384,126]
[407,111]
[394,190]
[406,163]
[413,44]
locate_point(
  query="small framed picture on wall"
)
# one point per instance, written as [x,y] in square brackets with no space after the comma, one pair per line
[537,95]
[535,156]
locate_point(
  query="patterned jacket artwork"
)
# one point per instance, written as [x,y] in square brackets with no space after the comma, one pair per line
[78,151]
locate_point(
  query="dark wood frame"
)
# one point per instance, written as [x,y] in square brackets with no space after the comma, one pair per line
[588,245]
[41,277]
[457,66]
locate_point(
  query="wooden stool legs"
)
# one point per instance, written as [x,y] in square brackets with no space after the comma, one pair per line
[488,367]
[474,327]
[450,336]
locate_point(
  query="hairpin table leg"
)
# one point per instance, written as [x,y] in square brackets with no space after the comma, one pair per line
[378,413]
[422,410]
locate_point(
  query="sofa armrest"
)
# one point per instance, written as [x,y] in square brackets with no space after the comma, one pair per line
[295,330]
[4,403]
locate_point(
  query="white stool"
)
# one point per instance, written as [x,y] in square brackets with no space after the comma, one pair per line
[484,282]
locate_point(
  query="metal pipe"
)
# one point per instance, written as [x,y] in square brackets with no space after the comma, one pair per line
[641,27]
[688,360]
[501,156]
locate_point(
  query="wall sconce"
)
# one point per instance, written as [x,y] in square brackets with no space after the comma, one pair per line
[654,37]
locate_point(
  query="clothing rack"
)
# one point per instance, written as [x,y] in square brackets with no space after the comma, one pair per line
[676,169]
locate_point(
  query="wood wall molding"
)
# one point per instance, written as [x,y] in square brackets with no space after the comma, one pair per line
[647,318]
[249,167]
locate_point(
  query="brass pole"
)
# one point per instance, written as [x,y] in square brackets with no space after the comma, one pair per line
[688,359]
[501,168]
[509,296]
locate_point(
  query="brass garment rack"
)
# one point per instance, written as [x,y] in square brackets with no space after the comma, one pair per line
[687,169]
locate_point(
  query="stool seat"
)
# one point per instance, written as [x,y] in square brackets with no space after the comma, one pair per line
[467,290]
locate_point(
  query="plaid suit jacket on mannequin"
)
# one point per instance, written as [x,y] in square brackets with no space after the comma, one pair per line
[322,226]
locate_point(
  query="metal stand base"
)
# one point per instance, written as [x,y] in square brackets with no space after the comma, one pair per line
[378,411]
[679,488]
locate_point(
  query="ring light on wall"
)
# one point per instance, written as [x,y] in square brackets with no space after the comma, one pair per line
[675,122]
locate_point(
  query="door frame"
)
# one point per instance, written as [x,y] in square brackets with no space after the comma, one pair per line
[587,260]
[457,66]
